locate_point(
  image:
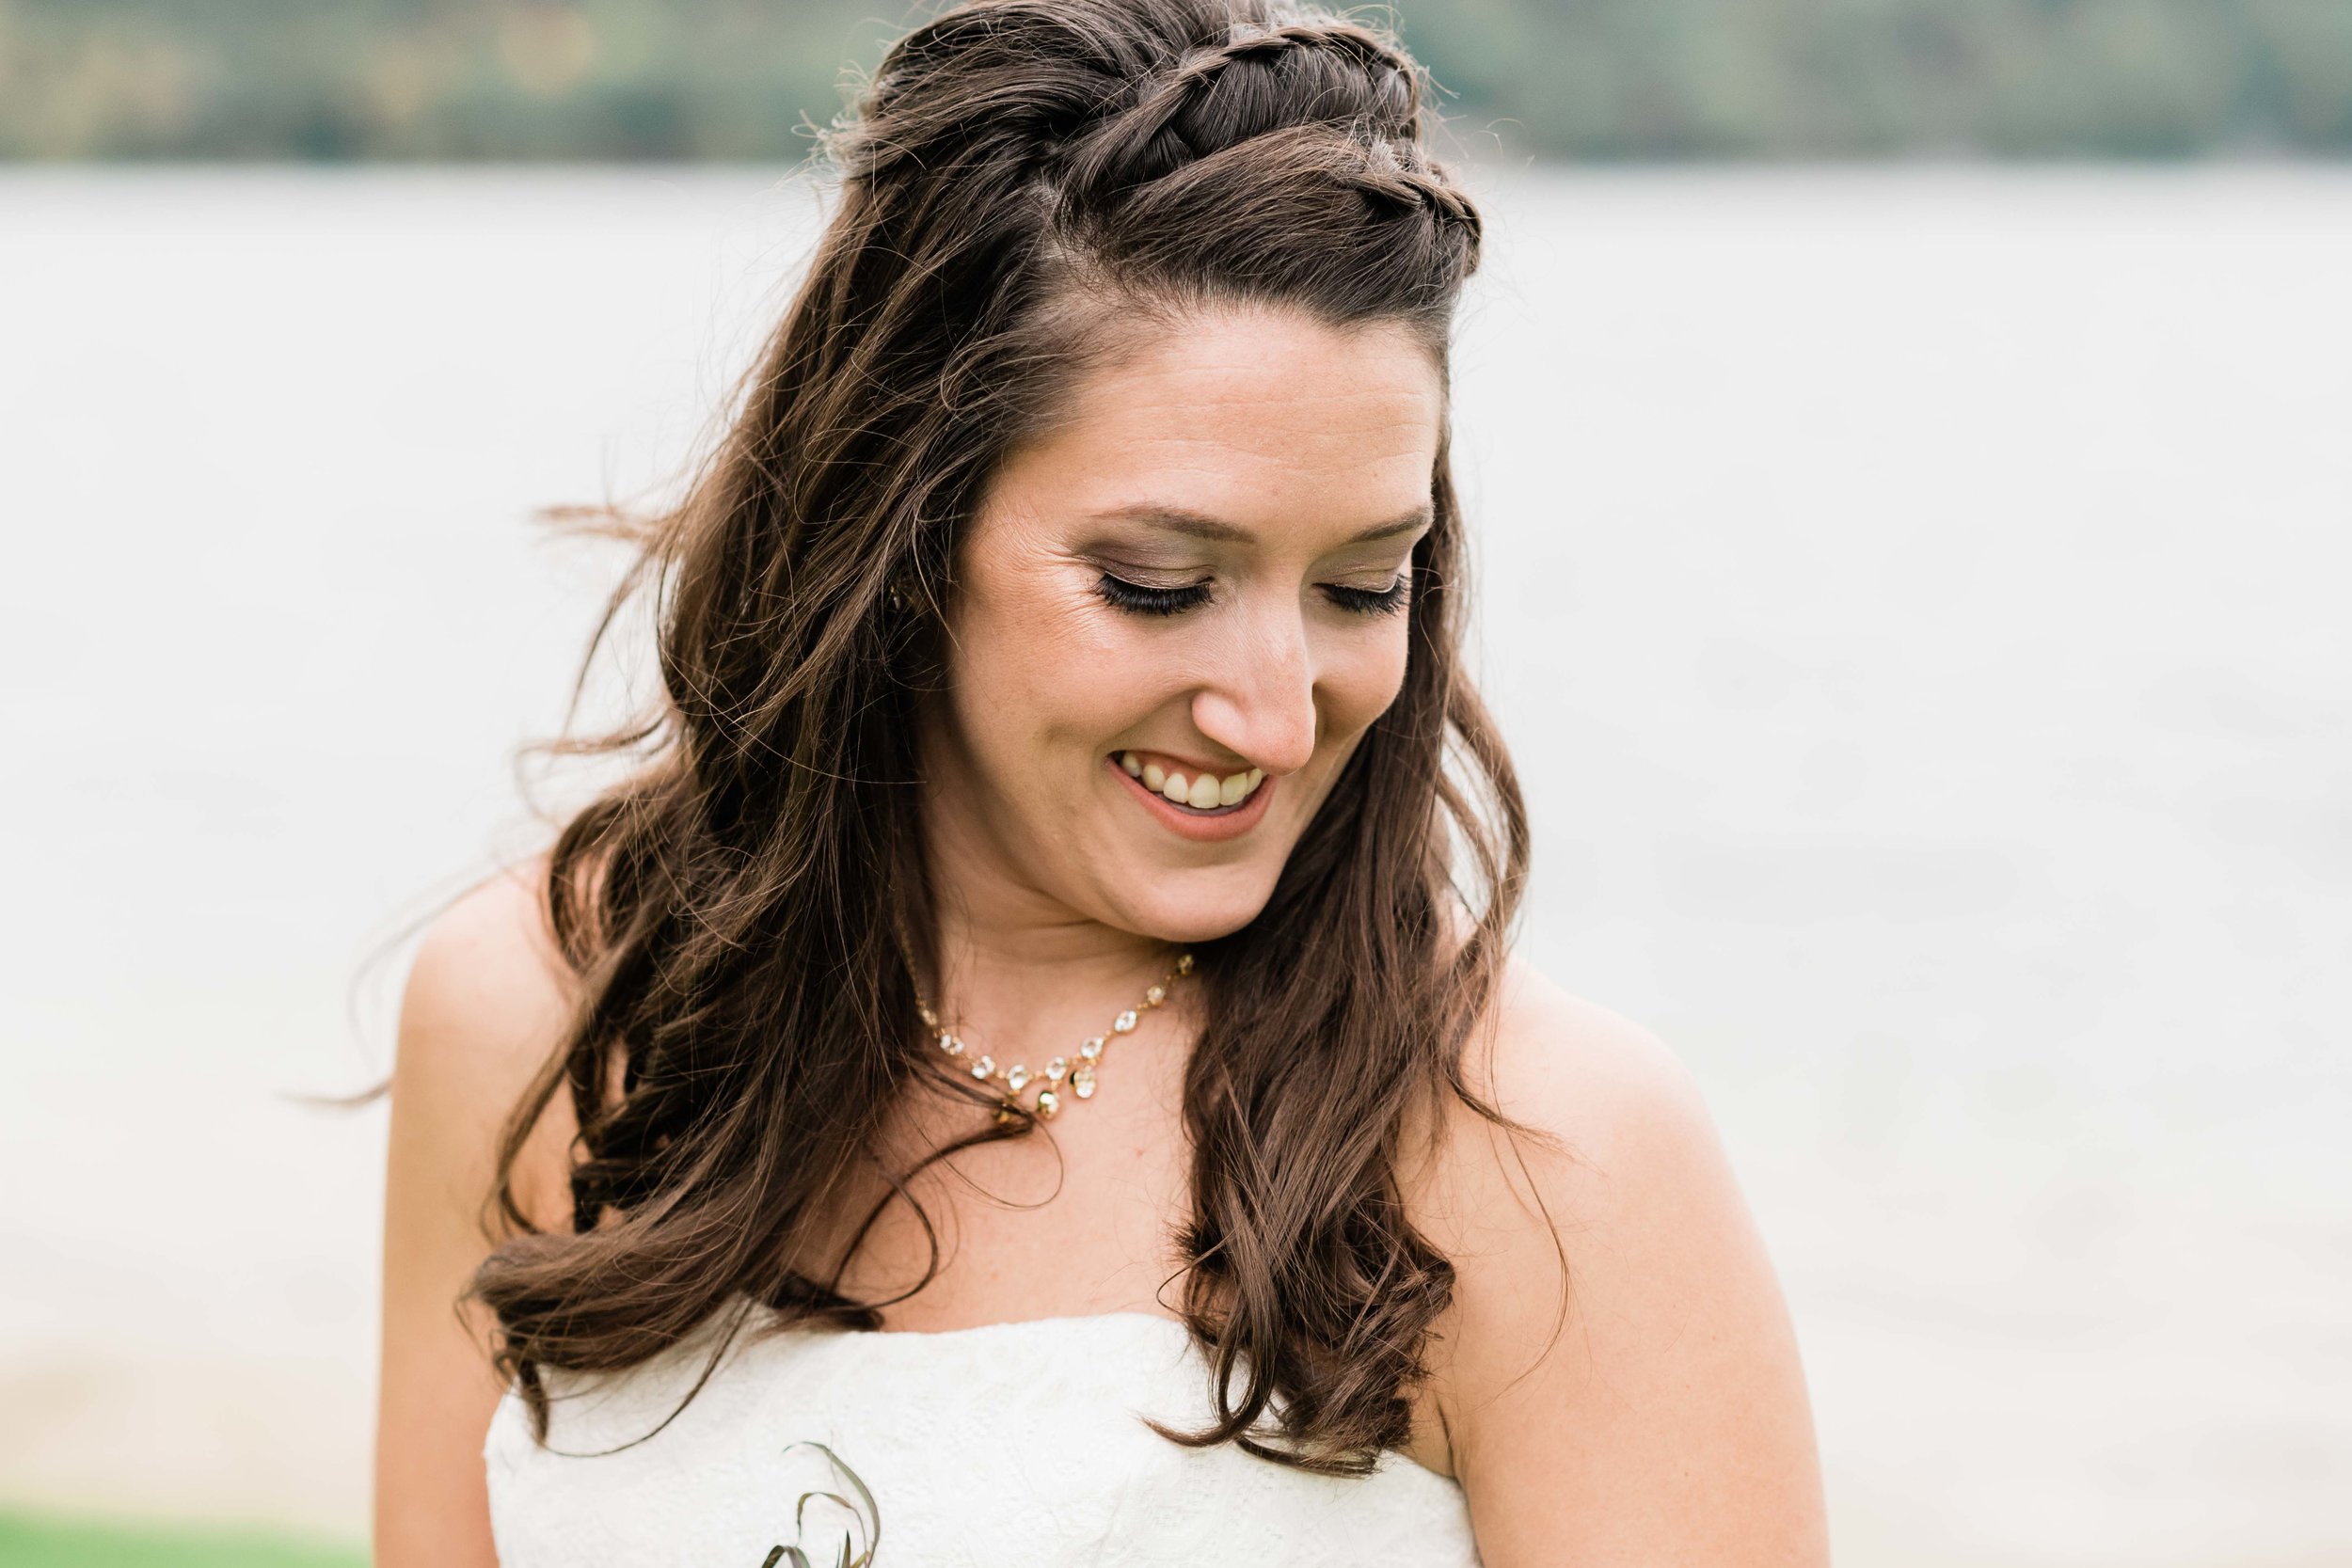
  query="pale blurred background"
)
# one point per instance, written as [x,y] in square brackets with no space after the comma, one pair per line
[1907,445]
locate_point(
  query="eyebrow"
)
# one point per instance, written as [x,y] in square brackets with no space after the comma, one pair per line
[1196,525]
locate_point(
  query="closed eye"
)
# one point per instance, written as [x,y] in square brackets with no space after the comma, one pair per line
[1371,601]
[1143,599]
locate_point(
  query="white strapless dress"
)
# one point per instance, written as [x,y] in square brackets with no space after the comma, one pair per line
[1016,1445]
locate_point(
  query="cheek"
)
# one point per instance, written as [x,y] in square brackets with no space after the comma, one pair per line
[1361,680]
[1035,662]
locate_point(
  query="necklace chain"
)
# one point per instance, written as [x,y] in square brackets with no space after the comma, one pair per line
[1059,1075]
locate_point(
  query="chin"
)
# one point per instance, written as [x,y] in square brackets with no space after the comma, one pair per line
[1200,906]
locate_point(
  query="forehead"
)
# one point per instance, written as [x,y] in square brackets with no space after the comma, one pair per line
[1260,416]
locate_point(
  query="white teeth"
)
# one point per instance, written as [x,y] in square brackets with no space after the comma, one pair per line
[1206,793]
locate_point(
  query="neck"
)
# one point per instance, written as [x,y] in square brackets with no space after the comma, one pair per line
[997,978]
[1019,968]
[1013,963]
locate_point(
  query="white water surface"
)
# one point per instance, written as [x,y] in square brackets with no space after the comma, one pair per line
[1916,598]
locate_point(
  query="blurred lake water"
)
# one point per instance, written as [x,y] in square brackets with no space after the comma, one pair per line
[1915,600]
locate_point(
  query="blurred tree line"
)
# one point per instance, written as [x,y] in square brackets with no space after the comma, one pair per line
[1593,79]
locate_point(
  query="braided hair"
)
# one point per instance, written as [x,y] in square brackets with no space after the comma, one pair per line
[1024,185]
[1166,147]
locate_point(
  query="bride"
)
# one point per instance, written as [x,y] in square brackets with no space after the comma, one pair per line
[1027,1070]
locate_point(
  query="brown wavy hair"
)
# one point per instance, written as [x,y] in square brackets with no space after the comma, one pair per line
[1022,184]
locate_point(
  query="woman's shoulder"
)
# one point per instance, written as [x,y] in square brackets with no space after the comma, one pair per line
[487,1002]
[1603,1134]
[1605,1087]
[1586,1087]
[1602,1127]
[489,957]
[1615,1319]
[488,994]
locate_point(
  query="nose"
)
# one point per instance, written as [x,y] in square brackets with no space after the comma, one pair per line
[1260,704]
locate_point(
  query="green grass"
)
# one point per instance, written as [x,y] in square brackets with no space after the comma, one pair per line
[39,1542]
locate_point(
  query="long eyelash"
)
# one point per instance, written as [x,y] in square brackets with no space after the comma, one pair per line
[1366,601]
[1143,600]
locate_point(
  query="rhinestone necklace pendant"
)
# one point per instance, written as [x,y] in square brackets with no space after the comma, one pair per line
[1060,1075]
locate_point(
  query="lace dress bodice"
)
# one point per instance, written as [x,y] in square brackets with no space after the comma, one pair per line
[1016,1445]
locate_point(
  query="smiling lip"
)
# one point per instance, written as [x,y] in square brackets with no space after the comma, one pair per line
[1202,827]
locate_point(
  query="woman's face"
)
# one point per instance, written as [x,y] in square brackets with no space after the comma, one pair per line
[1194,585]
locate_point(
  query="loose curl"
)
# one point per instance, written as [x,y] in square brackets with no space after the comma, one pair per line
[1026,184]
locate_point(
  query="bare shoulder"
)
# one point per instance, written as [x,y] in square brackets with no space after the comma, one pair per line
[1573,1069]
[486,1009]
[486,1003]
[488,963]
[1617,1375]
[1602,1115]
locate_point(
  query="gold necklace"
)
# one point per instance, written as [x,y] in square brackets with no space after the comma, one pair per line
[1015,1077]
